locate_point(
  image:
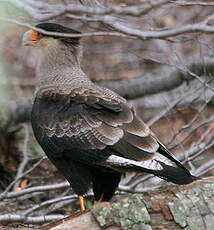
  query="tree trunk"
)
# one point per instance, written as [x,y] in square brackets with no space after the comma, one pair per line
[171,207]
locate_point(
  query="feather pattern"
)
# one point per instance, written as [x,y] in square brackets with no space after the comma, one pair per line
[89,132]
[87,119]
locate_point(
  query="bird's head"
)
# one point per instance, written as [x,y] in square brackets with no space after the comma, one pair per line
[42,40]
[55,50]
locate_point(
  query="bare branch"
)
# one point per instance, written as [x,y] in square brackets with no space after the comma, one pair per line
[10,195]
[59,9]
[48,202]
[196,3]
[97,13]
[163,79]
[165,33]
[14,218]
[194,152]
[172,105]
[64,34]
[204,168]
[199,125]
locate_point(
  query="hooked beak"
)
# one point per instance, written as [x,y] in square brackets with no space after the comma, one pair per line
[31,38]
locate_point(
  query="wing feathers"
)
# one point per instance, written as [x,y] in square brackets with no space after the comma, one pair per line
[111,133]
[116,119]
[130,151]
[89,122]
[137,127]
[148,144]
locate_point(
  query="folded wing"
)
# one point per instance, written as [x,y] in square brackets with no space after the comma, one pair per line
[95,124]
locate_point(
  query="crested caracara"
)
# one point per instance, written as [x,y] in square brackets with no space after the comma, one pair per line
[88,132]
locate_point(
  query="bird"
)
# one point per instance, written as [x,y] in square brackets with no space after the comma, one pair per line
[91,134]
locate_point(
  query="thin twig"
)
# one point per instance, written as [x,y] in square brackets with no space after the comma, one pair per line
[198,126]
[4,194]
[204,168]
[25,158]
[9,195]
[48,202]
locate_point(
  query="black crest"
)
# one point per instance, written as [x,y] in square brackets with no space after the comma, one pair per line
[53,27]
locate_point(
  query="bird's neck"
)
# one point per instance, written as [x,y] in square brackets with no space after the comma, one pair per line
[60,65]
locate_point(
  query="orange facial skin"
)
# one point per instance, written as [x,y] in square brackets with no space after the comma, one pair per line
[31,38]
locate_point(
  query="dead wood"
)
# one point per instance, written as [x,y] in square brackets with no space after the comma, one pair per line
[174,207]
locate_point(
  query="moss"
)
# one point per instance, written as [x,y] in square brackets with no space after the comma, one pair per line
[191,208]
[178,211]
[130,213]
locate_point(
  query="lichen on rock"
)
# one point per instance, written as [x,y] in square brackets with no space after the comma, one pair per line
[129,213]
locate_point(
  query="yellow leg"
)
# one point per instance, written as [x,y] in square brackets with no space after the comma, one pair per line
[82,205]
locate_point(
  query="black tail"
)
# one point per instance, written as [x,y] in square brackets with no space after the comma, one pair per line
[162,165]
[177,175]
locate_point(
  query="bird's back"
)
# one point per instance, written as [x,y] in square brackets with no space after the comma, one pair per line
[91,133]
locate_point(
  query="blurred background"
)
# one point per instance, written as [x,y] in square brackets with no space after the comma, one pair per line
[169,81]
